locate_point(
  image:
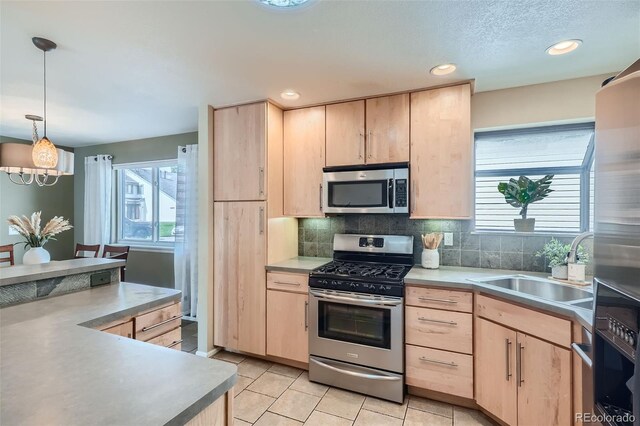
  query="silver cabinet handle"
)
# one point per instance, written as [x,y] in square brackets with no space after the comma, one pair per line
[176,343]
[320,197]
[508,358]
[433,299]
[261,223]
[358,301]
[151,327]
[355,373]
[261,180]
[437,321]
[581,349]
[306,315]
[286,283]
[519,362]
[435,361]
[368,148]
[362,145]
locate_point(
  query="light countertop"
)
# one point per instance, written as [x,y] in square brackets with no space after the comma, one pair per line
[56,370]
[298,264]
[57,268]
[458,278]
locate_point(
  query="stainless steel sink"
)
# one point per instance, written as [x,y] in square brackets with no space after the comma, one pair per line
[538,287]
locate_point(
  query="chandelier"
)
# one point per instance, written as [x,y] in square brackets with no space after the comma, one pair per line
[41,163]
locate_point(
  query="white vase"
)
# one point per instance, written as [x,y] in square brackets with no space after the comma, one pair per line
[36,256]
[430,259]
[560,272]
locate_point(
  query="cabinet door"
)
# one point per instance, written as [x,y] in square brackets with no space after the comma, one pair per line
[495,369]
[388,129]
[544,391]
[304,136]
[239,151]
[345,134]
[287,325]
[239,277]
[441,153]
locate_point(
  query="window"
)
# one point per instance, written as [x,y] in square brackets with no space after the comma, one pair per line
[565,151]
[146,203]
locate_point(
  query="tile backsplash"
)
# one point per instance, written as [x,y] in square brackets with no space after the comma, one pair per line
[516,252]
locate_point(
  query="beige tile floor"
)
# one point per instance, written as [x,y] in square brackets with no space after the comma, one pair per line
[269,394]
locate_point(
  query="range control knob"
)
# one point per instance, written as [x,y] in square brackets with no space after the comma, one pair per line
[632,340]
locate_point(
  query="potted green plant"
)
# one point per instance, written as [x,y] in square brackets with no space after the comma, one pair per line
[522,192]
[556,254]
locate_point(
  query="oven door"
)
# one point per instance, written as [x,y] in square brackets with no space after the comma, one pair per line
[362,191]
[357,328]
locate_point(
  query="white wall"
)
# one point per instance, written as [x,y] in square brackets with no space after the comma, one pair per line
[557,102]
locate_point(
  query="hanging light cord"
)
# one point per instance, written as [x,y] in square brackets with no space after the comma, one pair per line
[44,56]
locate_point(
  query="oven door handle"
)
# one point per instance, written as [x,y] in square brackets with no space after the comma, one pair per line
[354,373]
[356,301]
[581,350]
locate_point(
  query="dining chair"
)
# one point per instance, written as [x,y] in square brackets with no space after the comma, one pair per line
[82,248]
[117,252]
[7,249]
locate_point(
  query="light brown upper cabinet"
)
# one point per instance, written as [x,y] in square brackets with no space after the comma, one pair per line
[239,153]
[345,134]
[304,154]
[239,284]
[387,129]
[441,154]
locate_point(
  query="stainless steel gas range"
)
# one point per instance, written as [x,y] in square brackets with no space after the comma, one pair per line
[356,315]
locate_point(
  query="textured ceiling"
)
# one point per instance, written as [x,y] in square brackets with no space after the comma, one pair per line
[128,70]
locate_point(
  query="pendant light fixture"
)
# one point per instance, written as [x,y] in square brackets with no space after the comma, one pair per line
[44,152]
[41,162]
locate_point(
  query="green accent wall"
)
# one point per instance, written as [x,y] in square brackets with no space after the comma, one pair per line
[53,201]
[145,267]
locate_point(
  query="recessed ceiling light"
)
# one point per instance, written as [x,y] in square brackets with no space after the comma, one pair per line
[283,3]
[563,47]
[290,95]
[443,69]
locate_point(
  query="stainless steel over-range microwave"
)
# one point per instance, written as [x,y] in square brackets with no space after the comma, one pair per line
[366,189]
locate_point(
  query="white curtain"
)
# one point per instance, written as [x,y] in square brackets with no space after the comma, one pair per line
[97,199]
[185,258]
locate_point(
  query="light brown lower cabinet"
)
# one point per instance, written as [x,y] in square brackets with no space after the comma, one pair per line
[158,326]
[441,371]
[520,379]
[125,329]
[287,325]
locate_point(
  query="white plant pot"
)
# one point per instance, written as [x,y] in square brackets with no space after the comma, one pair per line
[430,259]
[36,256]
[561,272]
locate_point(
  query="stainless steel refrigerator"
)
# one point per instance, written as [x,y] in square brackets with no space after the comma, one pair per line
[616,325]
[617,182]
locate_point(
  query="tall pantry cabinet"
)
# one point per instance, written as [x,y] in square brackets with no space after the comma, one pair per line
[248,210]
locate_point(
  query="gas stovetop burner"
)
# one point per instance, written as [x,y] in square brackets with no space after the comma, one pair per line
[373,271]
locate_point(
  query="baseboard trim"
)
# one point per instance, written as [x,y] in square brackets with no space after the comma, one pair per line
[208,354]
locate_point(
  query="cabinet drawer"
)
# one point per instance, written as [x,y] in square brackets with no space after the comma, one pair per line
[433,328]
[437,298]
[158,322]
[125,329]
[296,283]
[546,327]
[172,339]
[440,371]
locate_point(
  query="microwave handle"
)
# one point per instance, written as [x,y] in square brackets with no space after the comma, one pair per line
[391,193]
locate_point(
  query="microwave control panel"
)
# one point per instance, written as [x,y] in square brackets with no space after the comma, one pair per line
[401,193]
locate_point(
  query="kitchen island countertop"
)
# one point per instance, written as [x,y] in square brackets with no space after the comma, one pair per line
[56,268]
[57,370]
